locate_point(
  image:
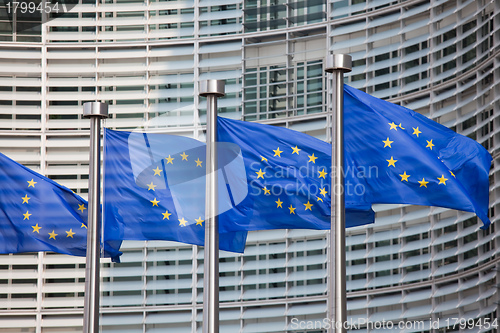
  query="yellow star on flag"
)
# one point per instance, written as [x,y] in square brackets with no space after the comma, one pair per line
[319,199]
[81,207]
[423,182]
[392,162]
[401,126]
[27,215]
[429,144]
[199,221]
[296,150]
[263,159]
[323,191]
[151,186]
[404,177]
[260,174]
[198,162]
[312,158]
[442,180]
[36,228]
[52,235]
[387,143]
[452,174]
[169,159]
[416,131]
[166,215]
[182,222]
[70,233]
[393,126]
[184,156]
[279,203]
[308,206]
[292,209]
[322,174]
[25,199]
[31,183]
[157,171]
[277,152]
[266,191]
[154,202]
[83,226]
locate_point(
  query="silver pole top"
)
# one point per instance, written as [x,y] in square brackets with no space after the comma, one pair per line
[95,109]
[338,62]
[212,87]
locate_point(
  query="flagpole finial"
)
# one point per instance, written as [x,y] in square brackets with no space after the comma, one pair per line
[336,62]
[95,109]
[212,87]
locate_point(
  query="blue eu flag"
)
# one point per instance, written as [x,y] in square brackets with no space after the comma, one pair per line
[392,155]
[154,189]
[417,160]
[288,176]
[37,214]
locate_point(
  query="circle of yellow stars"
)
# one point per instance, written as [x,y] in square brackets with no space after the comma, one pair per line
[36,228]
[158,172]
[277,153]
[430,145]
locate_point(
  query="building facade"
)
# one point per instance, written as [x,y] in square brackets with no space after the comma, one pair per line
[419,267]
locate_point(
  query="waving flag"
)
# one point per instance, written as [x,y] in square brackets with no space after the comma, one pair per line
[154,189]
[288,176]
[392,155]
[419,161]
[37,214]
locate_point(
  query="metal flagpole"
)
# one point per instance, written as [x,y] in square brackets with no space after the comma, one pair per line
[95,111]
[211,89]
[338,64]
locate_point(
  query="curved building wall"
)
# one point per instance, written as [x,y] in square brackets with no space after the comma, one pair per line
[416,265]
